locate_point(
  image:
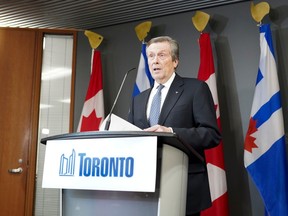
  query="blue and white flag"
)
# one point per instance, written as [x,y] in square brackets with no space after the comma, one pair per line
[144,79]
[264,151]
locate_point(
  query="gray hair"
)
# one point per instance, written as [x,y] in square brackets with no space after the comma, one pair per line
[173,44]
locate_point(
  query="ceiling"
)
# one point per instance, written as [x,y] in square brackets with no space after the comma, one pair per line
[86,15]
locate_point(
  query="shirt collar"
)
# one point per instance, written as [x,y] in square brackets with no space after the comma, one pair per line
[167,84]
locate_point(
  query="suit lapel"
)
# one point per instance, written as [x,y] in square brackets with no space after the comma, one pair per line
[144,103]
[175,91]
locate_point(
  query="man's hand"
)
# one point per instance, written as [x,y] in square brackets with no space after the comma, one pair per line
[159,128]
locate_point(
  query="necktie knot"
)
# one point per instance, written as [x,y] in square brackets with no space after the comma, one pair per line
[160,87]
[155,106]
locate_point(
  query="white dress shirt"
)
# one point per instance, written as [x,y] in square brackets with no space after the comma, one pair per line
[163,93]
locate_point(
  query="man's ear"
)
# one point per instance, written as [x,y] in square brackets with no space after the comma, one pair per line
[176,63]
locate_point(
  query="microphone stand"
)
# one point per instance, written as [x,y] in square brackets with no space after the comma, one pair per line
[107,125]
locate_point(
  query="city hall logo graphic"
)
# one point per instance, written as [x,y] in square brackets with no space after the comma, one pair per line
[67,164]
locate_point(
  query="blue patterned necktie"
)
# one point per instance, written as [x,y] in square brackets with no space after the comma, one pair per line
[155,106]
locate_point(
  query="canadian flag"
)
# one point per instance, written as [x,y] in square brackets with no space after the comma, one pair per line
[214,156]
[93,109]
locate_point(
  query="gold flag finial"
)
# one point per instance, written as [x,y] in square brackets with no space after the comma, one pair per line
[142,30]
[259,10]
[200,20]
[94,39]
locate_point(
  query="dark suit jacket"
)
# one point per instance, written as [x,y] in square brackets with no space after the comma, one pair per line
[189,110]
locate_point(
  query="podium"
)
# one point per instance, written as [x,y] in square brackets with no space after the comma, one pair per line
[168,197]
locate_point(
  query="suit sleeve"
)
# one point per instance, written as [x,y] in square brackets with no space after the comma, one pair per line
[131,112]
[204,132]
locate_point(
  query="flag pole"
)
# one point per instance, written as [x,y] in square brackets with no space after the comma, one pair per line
[259,10]
[215,156]
[93,109]
[200,20]
[142,30]
[144,79]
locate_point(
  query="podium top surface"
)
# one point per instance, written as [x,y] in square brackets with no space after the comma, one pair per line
[165,138]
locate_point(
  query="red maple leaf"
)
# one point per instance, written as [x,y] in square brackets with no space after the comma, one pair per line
[249,140]
[91,123]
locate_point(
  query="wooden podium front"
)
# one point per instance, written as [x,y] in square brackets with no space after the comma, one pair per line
[168,197]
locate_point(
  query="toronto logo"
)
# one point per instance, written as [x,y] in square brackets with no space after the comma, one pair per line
[96,166]
[67,164]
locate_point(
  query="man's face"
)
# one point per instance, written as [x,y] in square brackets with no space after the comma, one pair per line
[160,61]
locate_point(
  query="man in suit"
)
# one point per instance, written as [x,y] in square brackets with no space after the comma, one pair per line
[187,109]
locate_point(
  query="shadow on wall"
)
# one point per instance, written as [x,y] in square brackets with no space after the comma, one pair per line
[278,16]
[233,141]
[156,31]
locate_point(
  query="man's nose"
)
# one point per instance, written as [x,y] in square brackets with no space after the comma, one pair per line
[156,59]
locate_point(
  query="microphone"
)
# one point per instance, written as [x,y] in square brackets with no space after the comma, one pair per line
[107,125]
